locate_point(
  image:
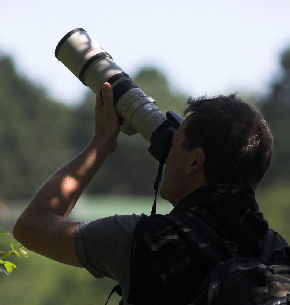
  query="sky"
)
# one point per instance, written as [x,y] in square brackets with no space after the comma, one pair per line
[202,46]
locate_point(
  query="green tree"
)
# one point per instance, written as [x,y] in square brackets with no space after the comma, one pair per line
[276,108]
[155,84]
[33,134]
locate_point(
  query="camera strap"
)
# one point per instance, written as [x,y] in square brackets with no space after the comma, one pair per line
[156,185]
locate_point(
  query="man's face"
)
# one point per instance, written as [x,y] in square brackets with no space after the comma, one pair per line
[174,175]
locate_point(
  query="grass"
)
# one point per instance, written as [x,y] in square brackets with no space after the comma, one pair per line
[90,208]
[275,204]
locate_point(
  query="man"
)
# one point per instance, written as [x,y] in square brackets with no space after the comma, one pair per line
[218,156]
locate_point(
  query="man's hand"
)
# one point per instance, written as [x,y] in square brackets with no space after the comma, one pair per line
[106,117]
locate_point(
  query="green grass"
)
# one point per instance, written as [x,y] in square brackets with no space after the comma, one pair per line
[275,204]
[90,208]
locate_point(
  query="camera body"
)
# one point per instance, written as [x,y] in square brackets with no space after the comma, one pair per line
[93,66]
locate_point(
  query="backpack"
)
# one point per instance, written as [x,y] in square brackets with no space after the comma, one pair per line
[244,280]
[233,279]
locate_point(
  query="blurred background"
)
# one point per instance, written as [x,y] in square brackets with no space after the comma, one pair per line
[173,50]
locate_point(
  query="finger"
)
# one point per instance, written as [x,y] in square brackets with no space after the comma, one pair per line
[108,98]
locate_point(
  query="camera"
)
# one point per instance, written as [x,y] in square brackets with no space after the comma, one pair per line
[93,66]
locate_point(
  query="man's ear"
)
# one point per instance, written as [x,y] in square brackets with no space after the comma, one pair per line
[196,159]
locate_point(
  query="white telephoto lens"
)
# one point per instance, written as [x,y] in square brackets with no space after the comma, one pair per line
[89,62]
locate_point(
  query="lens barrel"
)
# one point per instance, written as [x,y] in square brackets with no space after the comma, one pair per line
[93,66]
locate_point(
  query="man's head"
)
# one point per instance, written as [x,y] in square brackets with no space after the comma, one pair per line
[222,140]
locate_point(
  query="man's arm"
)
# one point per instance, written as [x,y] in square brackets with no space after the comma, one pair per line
[43,226]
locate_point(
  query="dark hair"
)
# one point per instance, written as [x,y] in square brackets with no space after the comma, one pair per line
[235,137]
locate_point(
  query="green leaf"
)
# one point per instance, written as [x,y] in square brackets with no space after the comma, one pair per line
[16,252]
[9,266]
[5,254]
[12,246]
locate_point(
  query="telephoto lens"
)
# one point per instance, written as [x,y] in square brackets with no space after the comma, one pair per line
[93,66]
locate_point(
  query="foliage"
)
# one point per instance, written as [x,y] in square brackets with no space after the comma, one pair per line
[155,84]
[37,134]
[33,134]
[276,108]
[7,266]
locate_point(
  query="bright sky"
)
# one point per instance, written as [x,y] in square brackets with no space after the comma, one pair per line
[202,46]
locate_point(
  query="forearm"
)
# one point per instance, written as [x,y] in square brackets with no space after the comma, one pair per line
[60,192]
[57,197]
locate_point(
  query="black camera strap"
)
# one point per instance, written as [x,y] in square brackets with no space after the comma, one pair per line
[156,185]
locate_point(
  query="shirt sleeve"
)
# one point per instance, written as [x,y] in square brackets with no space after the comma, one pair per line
[103,246]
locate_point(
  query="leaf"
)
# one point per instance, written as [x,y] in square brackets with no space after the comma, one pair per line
[9,266]
[5,254]
[16,252]
[12,246]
